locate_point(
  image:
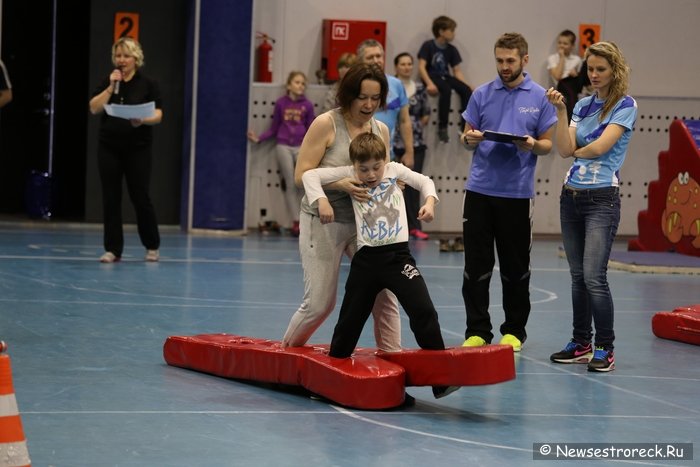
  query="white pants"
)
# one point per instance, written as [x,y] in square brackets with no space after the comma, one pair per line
[321,248]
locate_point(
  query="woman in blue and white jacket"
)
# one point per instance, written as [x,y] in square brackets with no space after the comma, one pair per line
[597,138]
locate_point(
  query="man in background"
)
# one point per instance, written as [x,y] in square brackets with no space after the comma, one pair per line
[396,110]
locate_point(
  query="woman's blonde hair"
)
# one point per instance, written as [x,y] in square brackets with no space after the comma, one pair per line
[129,47]
[620,73]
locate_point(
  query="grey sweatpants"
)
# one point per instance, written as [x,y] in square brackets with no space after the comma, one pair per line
[286,160]
[321,248]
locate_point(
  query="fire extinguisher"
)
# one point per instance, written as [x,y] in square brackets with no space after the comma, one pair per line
[264,56]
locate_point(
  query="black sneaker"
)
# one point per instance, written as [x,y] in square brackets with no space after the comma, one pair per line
[442,391]
[603,360]
[573,353]
[443,136]
[408,400]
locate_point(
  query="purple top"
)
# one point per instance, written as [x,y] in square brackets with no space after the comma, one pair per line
[290,121]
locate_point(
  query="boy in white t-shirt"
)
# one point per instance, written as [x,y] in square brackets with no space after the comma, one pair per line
[383,259]
[564,67]
[564,63]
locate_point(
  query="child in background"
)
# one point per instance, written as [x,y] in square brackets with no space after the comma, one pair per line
[564,67]
[435,59]
[419,111]
[345,61]
[383,260]
[292,117]
[564,63]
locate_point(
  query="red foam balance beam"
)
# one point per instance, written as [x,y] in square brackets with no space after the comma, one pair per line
[681,324]
[457,366]
[367,380]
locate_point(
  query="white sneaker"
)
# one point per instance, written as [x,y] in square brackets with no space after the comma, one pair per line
[109,257]
[152,256]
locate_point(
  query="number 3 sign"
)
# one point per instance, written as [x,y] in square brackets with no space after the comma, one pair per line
[588,35]
[126,24]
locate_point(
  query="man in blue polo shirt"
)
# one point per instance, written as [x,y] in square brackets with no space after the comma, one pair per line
[500,189]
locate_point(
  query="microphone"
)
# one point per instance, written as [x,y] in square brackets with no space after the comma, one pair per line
[116,84]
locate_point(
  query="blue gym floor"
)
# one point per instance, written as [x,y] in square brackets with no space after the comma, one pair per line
[86,340]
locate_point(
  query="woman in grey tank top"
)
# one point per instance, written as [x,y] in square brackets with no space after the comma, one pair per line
[361,92]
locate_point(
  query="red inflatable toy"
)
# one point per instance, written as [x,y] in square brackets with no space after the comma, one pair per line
[681,324]
[367,380]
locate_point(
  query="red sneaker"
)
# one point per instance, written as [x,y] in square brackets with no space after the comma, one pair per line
[295,229]
[418,234]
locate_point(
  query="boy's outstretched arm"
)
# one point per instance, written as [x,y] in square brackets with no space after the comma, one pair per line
[427,212]
[325,211]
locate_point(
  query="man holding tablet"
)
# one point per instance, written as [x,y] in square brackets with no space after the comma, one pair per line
[509,122]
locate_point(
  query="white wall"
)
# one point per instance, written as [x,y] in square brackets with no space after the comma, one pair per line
[659,40]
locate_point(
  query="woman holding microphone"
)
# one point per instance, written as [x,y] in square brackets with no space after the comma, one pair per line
[124,149]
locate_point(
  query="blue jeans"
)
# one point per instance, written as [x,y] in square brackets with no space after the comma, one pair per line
[589,221]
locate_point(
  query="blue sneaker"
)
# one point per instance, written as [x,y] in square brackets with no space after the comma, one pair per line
[603,360]
[573,353]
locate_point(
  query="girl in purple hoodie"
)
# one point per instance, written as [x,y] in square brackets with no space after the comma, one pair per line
[292,117]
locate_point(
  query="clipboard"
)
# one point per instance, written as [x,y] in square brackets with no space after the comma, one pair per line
[500,137]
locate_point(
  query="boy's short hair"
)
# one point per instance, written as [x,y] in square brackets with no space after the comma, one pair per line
[512,40]
[568,33]
[441,23]
[366,147]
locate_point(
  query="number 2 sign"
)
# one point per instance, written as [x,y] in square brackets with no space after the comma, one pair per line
[588,35]
[126,25]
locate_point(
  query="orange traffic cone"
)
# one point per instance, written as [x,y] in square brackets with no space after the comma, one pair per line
[13,446]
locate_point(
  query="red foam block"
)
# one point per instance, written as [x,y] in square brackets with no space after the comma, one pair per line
[681,324]
[364,381]
[367,380]
[458,366]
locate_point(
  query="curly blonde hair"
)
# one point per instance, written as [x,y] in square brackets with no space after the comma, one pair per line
[620,72]
[130,47]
